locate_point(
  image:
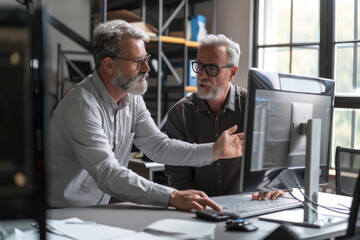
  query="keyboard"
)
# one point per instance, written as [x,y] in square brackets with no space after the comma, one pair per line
[237,206]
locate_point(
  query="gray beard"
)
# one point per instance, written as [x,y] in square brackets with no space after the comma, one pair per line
[132,85]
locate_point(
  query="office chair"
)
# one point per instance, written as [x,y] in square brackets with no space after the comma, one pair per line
[353,231]
[282,232]
[347,166]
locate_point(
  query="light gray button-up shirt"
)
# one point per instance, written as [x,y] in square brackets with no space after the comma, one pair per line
[90,143]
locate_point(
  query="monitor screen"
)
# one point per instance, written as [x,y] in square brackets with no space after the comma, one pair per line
[277,110]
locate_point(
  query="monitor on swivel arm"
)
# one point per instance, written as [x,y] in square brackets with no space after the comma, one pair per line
[275,146]
[278,109]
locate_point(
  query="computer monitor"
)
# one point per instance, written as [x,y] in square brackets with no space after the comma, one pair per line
[275,138]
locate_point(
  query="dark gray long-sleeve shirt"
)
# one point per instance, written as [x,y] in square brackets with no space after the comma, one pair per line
[190,120]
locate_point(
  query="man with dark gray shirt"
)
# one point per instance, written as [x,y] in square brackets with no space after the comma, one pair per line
[204,115]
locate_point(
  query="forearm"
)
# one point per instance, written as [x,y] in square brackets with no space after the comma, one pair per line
[125,185]
[162,149]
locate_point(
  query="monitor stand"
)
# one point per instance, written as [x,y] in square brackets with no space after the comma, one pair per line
[308,217]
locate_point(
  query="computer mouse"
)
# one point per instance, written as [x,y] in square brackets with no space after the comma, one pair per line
[240,225]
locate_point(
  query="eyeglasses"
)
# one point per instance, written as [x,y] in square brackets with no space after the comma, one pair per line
[210,69]
[140,62]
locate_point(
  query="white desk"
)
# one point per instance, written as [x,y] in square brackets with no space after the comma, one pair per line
[136,217]
[145,169]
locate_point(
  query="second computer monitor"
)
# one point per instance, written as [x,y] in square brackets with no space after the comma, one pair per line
[278,108]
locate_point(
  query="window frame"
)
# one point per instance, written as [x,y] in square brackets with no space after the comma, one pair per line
[326,51]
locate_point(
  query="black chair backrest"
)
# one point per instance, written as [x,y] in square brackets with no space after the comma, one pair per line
[282,232]
[347,165]
[354,218]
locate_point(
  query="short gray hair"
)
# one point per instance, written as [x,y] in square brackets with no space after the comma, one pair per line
[232,47]
[106,41]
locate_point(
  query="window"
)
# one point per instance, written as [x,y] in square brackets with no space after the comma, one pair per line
[289,40]
[315,38]
[347,73]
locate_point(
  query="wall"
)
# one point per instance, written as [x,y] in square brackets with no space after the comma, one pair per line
[234,19]
[75,15]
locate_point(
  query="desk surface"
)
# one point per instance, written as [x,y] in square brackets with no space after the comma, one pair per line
[136,217]
[146,164]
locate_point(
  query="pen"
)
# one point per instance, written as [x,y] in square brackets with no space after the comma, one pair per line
[87,223]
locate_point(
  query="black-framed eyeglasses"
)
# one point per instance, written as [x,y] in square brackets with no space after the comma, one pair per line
[140,62]
[210,69]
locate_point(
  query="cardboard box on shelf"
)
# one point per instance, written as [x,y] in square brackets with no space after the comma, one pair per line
[176,28]
[179,34]
[131,18]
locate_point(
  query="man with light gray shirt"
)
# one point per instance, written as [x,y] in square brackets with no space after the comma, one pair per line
[94,125]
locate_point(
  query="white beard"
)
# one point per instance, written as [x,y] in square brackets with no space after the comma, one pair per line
[212,93]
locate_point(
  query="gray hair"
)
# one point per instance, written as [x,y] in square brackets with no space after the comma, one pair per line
[232,47]
[106,41]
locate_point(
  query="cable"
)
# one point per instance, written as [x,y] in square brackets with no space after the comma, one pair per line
[333,209]
[348,208]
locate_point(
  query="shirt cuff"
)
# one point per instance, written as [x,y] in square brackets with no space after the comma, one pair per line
[204,154]
[161,195]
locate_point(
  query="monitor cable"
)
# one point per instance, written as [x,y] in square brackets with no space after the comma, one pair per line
[307,200]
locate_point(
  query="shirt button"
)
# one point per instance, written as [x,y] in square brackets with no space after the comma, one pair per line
[219,181]
[218,164]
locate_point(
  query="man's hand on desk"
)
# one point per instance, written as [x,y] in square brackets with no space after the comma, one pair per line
[263,196]
[191,200]
[229,144]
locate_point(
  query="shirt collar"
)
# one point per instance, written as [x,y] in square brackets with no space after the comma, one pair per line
[124,101]
[105,95]
[201,104]
[230,101]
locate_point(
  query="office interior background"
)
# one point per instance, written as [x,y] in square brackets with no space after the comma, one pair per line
[304,37]
[319,38]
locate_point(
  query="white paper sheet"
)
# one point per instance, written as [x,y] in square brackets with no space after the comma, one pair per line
[34,235]
[146,236]
[183,229]
[78,229]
